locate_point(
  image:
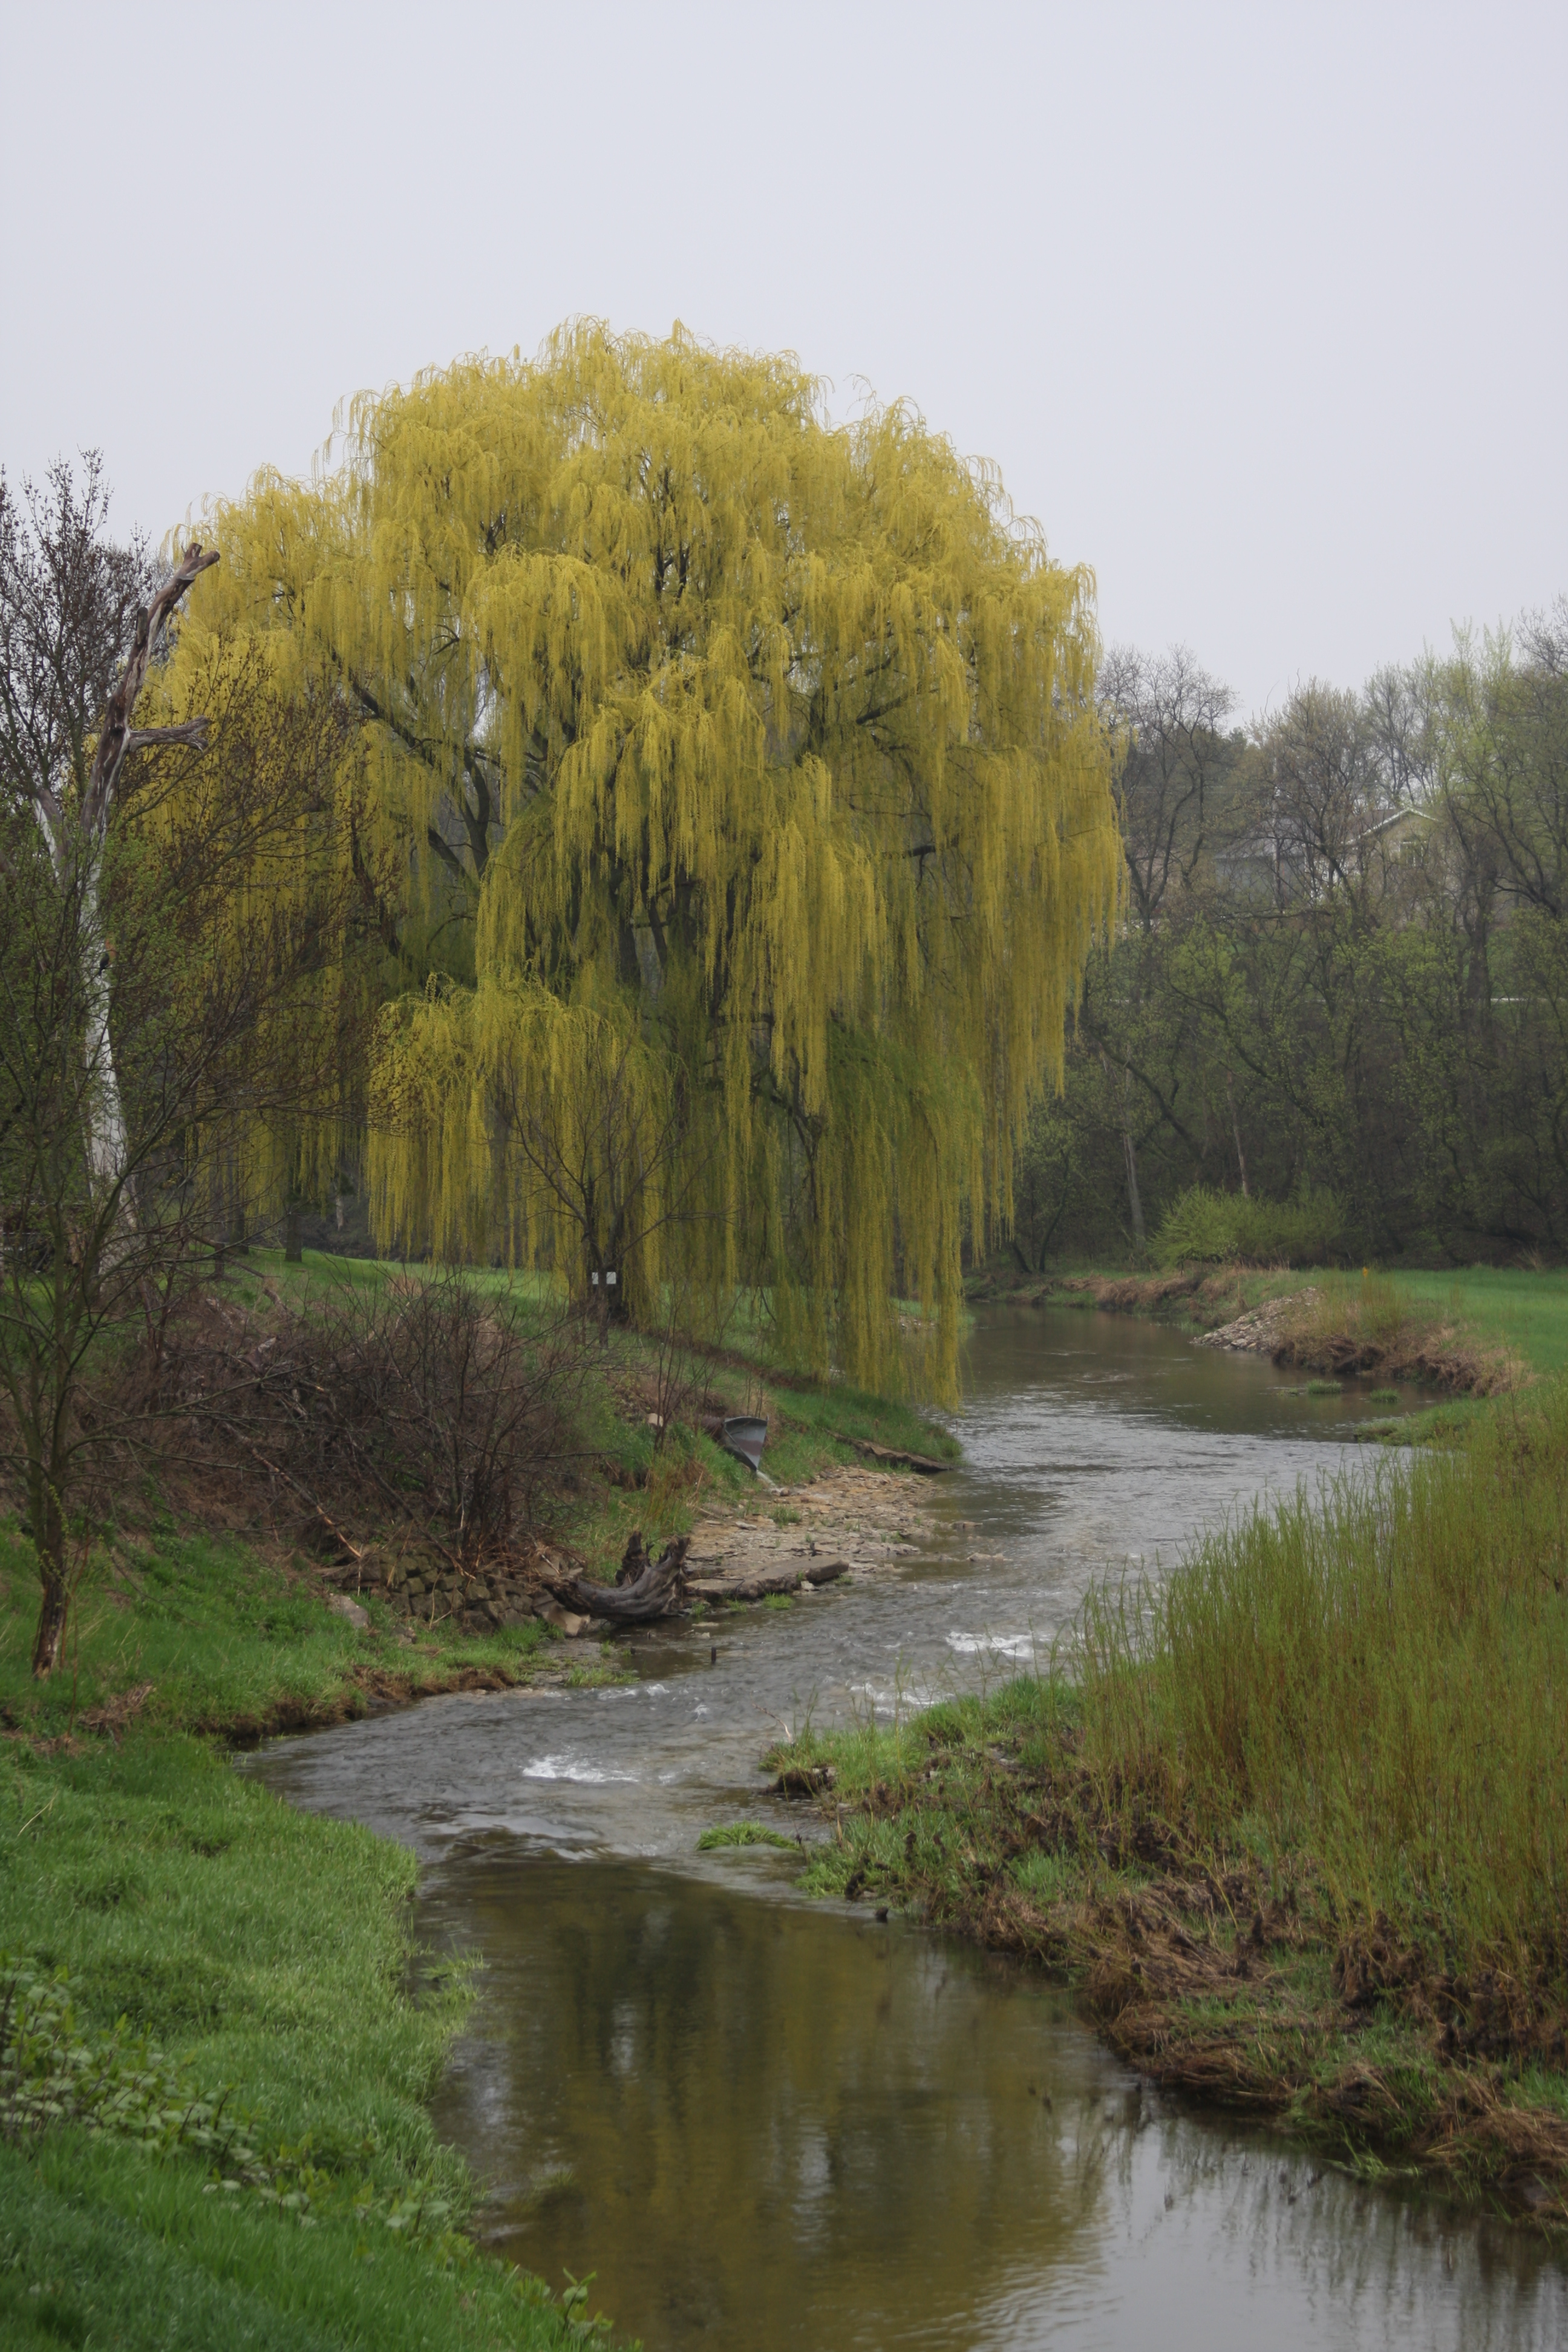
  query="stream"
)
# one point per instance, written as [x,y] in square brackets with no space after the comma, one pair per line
[768,2123]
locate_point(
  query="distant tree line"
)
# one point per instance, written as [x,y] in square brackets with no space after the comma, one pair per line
[1342,966]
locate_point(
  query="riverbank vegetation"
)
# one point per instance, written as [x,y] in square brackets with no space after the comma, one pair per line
[278,2034]
[1292,1817]
[246,1575]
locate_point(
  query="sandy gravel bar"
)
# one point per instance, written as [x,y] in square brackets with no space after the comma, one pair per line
[871,1519]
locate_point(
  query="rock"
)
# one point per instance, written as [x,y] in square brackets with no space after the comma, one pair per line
[823,1571]
[565,1621]
[342,1606]
[1265,1328]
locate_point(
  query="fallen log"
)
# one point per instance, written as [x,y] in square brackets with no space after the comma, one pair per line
[926,1463]
[745,1588]
[659,1592]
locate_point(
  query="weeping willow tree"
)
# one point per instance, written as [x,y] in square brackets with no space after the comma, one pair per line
[732,810]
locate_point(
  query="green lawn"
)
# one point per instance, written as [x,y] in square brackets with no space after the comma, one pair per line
[265,1952]
[1528,1312]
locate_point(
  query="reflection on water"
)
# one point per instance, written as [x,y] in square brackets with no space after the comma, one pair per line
[790,2126]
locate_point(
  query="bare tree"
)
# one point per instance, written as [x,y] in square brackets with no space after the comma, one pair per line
[71,613]
[143,998]
[1168,714]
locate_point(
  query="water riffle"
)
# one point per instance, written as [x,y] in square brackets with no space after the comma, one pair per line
[784,2124]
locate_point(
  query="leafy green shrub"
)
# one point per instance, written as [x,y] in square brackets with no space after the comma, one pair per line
[1229,1229]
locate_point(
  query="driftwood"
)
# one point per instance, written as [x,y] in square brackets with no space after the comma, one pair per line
[926,1463]
[745,1588]
[658,1589]
[766,1581]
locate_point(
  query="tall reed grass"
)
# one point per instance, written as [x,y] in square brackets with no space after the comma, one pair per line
[1377,1676]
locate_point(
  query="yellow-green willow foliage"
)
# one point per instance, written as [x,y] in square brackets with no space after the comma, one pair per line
[248,829]
[749,818]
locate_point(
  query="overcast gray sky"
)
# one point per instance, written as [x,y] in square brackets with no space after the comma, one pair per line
[1260,309]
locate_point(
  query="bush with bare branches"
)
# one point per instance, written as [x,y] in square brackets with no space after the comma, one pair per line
[414,1419]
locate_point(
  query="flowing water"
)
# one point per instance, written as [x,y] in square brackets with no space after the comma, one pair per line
[765,2122]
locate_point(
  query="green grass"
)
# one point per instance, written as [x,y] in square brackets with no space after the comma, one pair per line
[1372,1677]
[1524,1311]
[265,1950]
[739,1833]
[227,1639]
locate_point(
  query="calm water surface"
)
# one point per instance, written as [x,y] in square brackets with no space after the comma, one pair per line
[769,2124]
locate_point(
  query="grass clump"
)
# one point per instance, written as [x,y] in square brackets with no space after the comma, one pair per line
[188,1631]
[1369,1675]
[735,1833]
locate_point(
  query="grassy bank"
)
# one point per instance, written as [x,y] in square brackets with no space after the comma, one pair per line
[250,1951]
[218,2047]
[1293,1819]
[217,1944]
